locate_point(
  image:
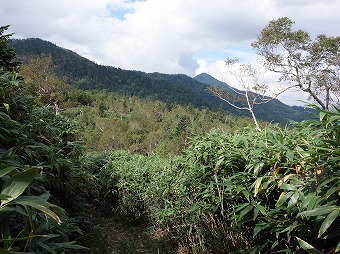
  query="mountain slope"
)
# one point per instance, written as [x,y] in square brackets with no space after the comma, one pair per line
[174,88]
[267,110]
[85,74]
[207,79]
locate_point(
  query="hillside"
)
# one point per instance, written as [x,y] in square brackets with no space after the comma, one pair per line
[265,111]
[174,88]
[108,121]
[207,79]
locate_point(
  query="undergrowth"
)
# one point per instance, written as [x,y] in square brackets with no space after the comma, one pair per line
[247,192]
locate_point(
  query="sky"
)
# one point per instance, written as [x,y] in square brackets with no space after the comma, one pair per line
[167,36]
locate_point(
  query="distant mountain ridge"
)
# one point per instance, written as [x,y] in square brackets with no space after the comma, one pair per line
[172,88]
[207,79]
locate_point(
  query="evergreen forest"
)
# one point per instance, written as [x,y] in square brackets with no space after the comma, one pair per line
[91,166]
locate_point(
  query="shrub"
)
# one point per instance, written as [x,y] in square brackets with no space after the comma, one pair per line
[250,192]
[37,150]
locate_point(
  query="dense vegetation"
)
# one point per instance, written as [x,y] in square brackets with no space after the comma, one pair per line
[248,192]
[175,88]
[108,121]
[38,150]
[205,180]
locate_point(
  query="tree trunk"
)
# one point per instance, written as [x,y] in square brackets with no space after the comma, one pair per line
[250,108]
[56,107]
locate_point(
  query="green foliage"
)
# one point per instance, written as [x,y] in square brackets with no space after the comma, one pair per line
[308,65]
[94,190]
[278,188]
[250,192]
[108,121]
[172,89]
[7,55]
[232,189]
[37,150]
[41,80]
[135,175]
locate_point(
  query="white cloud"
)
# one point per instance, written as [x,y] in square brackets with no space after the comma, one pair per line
[177,36]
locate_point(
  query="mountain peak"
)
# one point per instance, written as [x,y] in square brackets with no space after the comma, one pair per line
[210,80]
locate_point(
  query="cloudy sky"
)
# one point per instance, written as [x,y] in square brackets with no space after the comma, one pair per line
[168,36]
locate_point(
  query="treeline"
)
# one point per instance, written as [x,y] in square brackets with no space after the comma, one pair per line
[108,121]
[176,88]
[85,74]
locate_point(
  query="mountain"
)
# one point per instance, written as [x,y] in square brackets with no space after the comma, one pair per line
[172,88]
[207,79]
[266,110]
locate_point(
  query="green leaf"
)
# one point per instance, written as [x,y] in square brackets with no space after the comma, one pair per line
[259,227]
[283,197]
[246,195]
[328,221]
[46,247]
[245,211]
[337,247]
[23,238]
[241,207]
[293,200]
[254,250]
[285,251]
[321,210]
[288,187]
[307,247]
[4,197]
[261,209]
[5,171]
[331,191]
[309,201]
[40,204]
[276,243]
[17,184]
[71,245]
[322,115]
[256,213]
[290,155]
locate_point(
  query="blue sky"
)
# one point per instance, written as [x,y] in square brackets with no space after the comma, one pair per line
[119,12]
[177,36]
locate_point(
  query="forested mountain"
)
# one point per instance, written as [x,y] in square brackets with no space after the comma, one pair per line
[174,88]
[207,79]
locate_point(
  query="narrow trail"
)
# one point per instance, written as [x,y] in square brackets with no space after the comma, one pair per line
[118,236]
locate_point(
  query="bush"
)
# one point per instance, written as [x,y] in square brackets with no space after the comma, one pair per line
[249,192]
[37,151]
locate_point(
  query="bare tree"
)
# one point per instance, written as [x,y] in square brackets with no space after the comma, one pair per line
[253,91]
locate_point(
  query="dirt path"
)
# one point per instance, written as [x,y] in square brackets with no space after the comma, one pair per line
[117,236]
